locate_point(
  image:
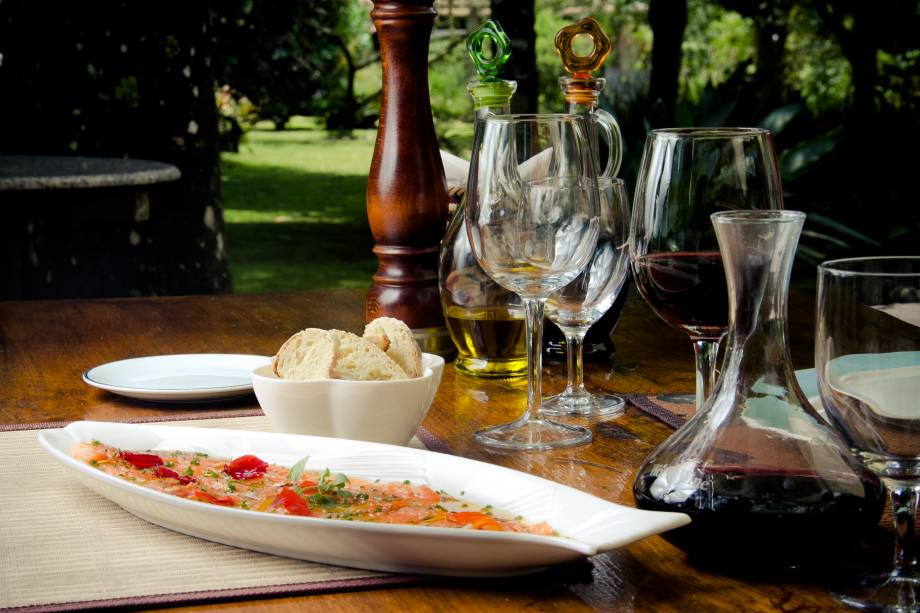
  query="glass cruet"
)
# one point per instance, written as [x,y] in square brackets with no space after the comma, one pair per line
[766,481]
[581,92]
[485,321]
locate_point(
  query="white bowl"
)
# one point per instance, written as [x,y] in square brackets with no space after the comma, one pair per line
[375,411]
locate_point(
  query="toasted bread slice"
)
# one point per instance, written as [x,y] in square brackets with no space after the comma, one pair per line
[309,354]
[401,345]
[359,359]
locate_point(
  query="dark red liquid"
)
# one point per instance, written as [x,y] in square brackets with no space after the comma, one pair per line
[770,521]
[687,290]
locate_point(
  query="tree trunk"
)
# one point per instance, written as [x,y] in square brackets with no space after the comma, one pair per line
[517,20]
[668,19]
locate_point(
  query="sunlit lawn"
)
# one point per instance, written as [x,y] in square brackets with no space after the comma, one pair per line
[295,210]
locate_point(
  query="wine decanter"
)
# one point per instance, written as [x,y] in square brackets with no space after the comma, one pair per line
[485,321]
[766,481]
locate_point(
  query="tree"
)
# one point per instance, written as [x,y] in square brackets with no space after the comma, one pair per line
[668,19]
[517,20]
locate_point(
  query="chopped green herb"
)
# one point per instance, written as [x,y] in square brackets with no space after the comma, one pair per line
[464,505]
[378,509]
[195,461]
[231,486]
[244,505]
[189,472]
[376,480]
[519,517]
[407,482]
[437,506]
[95,443]
[93,463]
[462,492]
[321,500]
[201,455]
[211,473]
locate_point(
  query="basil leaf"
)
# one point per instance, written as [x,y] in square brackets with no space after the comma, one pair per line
[297,470]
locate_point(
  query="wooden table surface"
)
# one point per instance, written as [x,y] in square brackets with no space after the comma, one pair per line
[45,347]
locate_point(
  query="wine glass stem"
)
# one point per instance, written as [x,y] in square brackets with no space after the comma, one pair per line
[575,354]
[705,351]
[534,331]
[904,507]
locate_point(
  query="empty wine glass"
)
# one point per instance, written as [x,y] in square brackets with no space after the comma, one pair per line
[687,174]
[575,307]
[532,219]
[867,355]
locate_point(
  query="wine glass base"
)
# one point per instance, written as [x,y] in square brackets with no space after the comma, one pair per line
[888,592]
[584,405]
[533,435]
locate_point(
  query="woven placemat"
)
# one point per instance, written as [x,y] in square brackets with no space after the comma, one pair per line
[64,548]
[673,414]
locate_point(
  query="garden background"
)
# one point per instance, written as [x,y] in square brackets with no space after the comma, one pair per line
[283,97]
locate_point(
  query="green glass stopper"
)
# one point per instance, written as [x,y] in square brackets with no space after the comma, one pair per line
[488,67]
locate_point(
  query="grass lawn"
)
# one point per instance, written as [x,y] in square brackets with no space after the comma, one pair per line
[295,210]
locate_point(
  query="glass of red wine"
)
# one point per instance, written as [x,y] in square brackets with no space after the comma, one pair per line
[686,175]
[867,357]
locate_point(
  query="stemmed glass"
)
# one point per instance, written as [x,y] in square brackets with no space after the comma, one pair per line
[867,355]
[532,219]
[575,307]
[687,174]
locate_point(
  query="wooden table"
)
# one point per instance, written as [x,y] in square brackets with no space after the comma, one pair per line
[45,346]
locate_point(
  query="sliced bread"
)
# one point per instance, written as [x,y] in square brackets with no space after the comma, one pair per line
[400,347]
[309,354]
[359,359]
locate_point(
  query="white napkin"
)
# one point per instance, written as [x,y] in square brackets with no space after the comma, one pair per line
[908,312]
[456,169]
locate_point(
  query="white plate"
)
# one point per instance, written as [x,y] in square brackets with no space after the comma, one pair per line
[588,525]
[192,377]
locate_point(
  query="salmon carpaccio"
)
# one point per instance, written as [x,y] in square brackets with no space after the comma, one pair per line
[247,482]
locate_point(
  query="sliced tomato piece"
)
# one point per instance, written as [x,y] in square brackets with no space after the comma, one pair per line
[480,521]
[246,467]
[141,460]
[203,496]
[164,473]
[288,500]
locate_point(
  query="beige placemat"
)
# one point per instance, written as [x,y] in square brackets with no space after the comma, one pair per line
[62,547]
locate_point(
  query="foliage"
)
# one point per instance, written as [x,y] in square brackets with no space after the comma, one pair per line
[716,43]
[281,54]
[824,80]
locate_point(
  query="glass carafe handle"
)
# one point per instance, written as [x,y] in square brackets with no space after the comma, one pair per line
[614,141]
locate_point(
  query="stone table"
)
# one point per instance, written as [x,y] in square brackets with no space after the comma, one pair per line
[76,226]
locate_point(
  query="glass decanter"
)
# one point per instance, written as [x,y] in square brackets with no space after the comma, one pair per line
[485,321]
[768,484]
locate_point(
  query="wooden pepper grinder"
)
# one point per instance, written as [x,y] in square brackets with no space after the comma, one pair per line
[406,190]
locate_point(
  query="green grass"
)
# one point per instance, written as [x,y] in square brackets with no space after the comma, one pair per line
[295,209]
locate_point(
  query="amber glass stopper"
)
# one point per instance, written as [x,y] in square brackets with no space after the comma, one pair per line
[581,66]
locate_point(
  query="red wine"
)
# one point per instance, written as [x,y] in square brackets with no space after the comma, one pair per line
[687,290]
[773,521]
